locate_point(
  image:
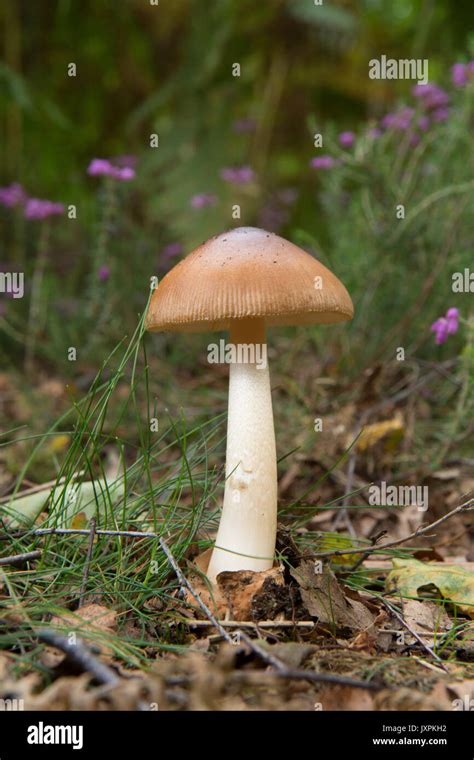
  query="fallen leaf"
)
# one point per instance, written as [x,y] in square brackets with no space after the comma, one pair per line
[390,431]
[324,599]
[454,583]
[79,521]
[23,510]
[427,619]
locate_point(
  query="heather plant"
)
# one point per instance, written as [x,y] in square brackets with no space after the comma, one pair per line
[377,203]
[397,210]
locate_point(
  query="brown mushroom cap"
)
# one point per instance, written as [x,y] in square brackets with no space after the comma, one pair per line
[247,272]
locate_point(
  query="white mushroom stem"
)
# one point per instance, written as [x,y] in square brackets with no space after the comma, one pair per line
[247,531]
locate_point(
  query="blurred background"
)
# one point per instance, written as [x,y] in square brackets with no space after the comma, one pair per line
[127,138]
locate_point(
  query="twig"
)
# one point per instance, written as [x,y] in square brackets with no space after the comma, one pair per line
[308,625]
[186,584]
[87,565]
[468,506]
[422,643]
[17,559]
[79,655]
[79,532]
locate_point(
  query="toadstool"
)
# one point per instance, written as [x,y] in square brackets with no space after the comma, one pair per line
[244,281]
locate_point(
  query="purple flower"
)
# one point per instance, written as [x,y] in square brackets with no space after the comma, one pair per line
[35,208]
[399,120]
[99,167]
[346,139]
[203,199]
[440,114]
[102,167]
[104,273]
[459,74]
[438,99]
[13,195]
[171,250]
[238,175]
[322,162]
[431,95]
[241,126]
[440,327]
[452,318]
[125,174]
[445,326]
[422,90]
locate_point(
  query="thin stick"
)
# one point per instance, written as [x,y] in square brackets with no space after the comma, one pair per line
[186,584]
[422,643]
[79,532]
[263,625]
[79,655]
[468,506]
[17,559]
[87,565]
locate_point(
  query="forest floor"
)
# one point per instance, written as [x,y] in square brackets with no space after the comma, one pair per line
[110,621]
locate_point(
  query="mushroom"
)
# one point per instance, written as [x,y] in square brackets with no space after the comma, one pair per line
[245,280]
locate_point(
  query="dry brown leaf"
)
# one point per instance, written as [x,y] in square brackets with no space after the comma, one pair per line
[324,599]
[427,619]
